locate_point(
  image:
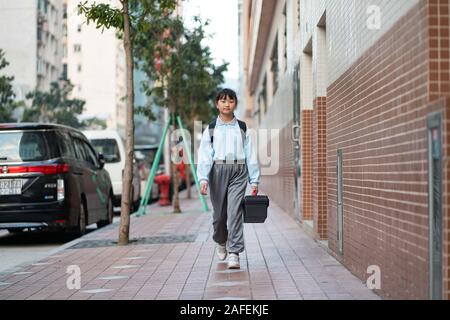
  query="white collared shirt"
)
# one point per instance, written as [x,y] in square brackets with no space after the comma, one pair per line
[227,145]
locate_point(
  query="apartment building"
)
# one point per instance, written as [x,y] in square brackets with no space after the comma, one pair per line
[358,92]
[31,35]
[96,67]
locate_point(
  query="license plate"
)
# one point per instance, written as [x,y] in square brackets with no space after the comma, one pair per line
[10,187]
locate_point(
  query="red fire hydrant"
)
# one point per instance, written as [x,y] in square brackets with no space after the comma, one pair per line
[163,181]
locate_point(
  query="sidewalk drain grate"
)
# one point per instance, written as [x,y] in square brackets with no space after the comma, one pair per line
[138,241]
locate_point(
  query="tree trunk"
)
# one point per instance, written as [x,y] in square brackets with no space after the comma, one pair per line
[176,194]
[174,172]
[125,208]
[188,180]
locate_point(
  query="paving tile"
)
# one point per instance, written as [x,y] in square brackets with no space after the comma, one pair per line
[114,278]
[231,298]
[22,273]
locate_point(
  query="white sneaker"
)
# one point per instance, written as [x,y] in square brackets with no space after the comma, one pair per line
[233,261]
[221,251]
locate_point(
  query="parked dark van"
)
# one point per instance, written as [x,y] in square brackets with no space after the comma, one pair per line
[52,178]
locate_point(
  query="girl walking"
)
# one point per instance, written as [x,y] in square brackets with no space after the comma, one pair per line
[227,160]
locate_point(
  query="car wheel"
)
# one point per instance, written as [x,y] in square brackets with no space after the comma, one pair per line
[109,214]
[81,228]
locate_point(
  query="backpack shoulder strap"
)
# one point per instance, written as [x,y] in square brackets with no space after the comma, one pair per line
[211,128]
[243,127]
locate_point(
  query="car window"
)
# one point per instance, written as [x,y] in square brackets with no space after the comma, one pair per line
[66,145]
[80,153]
[108,147]
[91,157]
[26,146]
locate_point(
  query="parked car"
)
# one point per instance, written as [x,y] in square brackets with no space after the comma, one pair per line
[110,144]
[51,177]
[145,155]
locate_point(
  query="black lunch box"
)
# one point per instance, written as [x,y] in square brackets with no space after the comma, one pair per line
[255,209]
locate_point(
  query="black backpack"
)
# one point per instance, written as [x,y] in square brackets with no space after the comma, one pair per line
[212,126]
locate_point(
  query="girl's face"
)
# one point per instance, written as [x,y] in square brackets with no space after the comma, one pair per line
[226,105]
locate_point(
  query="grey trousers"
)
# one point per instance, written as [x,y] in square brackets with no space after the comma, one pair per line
[227,184]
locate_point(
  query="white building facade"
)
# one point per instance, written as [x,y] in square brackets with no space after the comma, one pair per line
[31,33]
[96,68]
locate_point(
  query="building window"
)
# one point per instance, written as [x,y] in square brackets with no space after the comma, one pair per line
[77,47]
[43,6]
[260,106]
[40,67]
[39,32]
[79,68]
[55,16]
[64,73]
[263,97]
[274,65]
[79,28]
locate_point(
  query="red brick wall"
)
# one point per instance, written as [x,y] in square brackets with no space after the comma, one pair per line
[319,168]
[439,79]
[439,42]
[280,187]
[307,157]
[376,113]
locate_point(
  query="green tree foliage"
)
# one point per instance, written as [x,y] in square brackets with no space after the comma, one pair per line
[7,102]
[184,77]
[170,55]
[195,79]
[54,106]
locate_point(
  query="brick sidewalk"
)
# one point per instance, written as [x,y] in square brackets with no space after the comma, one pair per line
[174,258]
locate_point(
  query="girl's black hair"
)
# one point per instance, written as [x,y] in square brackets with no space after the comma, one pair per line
[226,93]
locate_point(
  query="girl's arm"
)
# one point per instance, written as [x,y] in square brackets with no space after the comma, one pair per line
[205,157]
[251,157]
